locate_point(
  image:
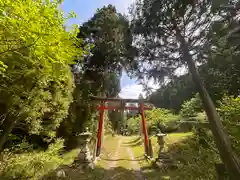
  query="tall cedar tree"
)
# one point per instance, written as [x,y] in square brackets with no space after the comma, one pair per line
[173,33]
[109,33]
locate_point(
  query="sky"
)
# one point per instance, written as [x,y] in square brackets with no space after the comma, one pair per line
[85,9]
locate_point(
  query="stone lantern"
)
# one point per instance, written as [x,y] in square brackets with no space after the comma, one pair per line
[164,160]
[84,157]
[162,156]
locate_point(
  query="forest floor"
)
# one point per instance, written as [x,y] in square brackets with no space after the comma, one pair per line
[122,158]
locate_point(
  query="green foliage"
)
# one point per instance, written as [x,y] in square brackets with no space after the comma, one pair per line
[162,34]
[173,94]
[109,31]
[201,149]
[2,67]
[156,119]
[193,154]
[230,113]
[192,107]
[37,86]
[197,156]
[100,73]
[201,116]
[112,87]
[160,116]
[220,75]
[219,67]
[134,124]
[116,119]
[34,165]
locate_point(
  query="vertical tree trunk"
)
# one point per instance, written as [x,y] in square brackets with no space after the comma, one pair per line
[8,126]
[228,156]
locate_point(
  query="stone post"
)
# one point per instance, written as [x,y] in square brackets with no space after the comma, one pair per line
[164,160]
[161,143]
[84,158]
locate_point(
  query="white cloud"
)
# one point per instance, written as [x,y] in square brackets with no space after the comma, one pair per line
[125,4]
[133,91]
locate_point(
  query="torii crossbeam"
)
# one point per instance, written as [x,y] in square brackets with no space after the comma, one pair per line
[120,104]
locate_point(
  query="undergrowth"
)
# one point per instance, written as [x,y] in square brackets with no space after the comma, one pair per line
[194,155]
[36,164]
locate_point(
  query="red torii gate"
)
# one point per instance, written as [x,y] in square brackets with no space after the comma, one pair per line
[122,106]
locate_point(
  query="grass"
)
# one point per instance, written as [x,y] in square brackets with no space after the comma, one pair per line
[181,146]
[196,161]
[148,169]
[171,139]
[108,150]
[122,167]
[121,171]
[99,173]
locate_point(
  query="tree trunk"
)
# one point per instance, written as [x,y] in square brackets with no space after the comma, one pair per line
[228,156]
[8,126]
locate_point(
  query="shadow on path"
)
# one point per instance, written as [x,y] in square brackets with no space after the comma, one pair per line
[99,173]
[123,159]
[77,173]
[136,142]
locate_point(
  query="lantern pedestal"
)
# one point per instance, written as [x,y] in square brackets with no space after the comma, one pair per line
[84,158]
[163,160]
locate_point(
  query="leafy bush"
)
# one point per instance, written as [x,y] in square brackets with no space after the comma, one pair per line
[194,154]
[36,89]
[34,165]
[201,117]
[156,119]
[134,124]
[191,114]
[197,156]
[187,124]
[191,107]
[163,116]
[230,113]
